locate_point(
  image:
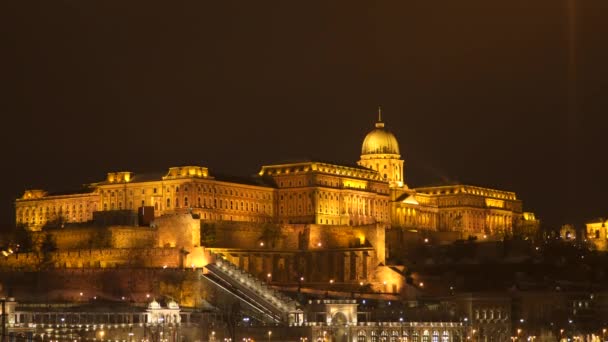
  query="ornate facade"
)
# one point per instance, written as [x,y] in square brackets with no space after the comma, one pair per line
[311,192]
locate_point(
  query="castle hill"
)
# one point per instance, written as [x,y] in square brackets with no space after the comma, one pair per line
[305,250]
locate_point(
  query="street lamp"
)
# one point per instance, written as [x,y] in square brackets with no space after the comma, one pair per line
[269,333]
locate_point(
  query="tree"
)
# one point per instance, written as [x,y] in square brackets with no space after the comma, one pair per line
[208,234]
[43,244]
[271,233]
[18,238]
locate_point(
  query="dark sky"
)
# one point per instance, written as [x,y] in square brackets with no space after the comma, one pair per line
[510,94]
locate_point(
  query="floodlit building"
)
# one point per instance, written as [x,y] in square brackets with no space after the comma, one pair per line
[309,192]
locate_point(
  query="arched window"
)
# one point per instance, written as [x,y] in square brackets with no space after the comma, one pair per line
[361,336]
[177,202]
[168,203]
[425,336]
[415,337]
[186,201]
[435,336]
[445,337]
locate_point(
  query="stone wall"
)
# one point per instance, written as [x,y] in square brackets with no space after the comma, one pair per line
[87,237]
[96,258]
[178,230]
[132,237]
[134,284]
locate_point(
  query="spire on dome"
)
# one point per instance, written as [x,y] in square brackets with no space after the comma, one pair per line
[379,124]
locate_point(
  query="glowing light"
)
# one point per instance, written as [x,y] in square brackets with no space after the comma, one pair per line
[421,284]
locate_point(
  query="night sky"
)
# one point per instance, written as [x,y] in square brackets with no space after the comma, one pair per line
[508,94]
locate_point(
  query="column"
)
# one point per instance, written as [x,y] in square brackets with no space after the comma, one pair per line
[346,266]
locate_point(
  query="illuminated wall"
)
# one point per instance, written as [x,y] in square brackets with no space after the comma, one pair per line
[474,210]
[36,211]
[322,193]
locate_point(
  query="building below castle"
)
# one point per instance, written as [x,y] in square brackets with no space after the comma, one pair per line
[374,191]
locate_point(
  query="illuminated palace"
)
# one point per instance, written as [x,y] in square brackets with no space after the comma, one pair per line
[310,192]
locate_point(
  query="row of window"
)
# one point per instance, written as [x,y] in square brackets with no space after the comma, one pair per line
[204,188]
[404,335]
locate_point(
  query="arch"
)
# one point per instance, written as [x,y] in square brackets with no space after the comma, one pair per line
[339,319]
[435,337]
[425,336]
[361,336]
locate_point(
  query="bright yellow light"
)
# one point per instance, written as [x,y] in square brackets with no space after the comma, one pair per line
[495,203]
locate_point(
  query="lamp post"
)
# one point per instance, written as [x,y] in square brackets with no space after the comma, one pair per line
[269,334]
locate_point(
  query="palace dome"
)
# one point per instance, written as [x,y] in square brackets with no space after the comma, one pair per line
[380,141]
[154,305]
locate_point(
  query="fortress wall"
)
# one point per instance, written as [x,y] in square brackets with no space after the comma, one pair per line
[71,238]
[237,234]
[100,237]
[134,284]
[178,230]
[96,258]
[132,237]
[330,236]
